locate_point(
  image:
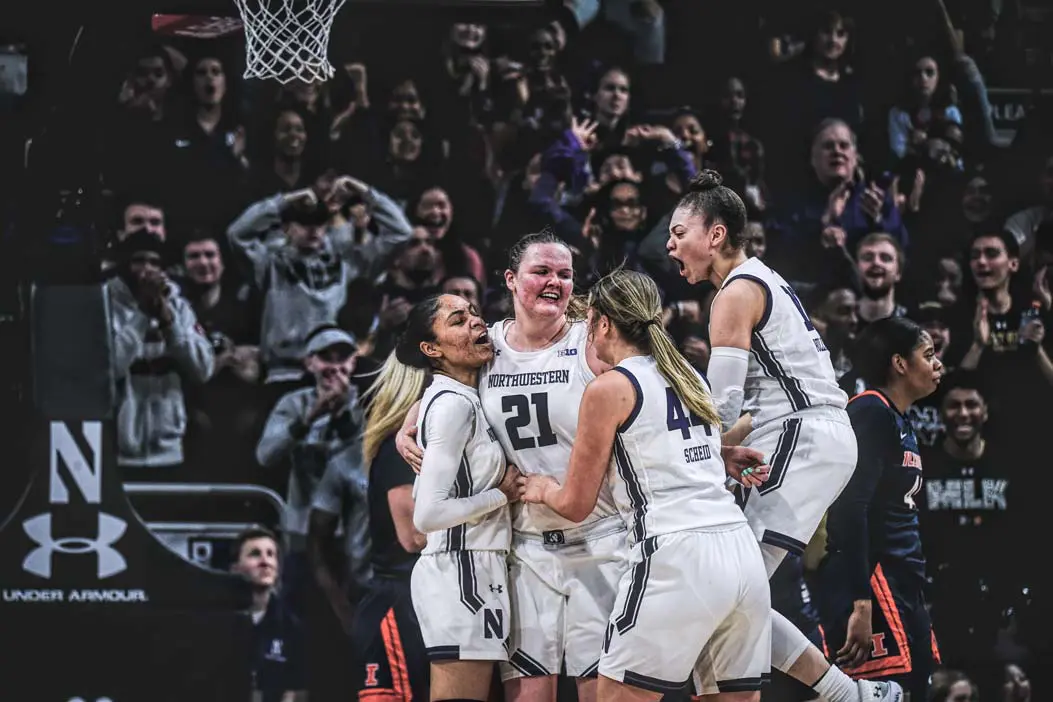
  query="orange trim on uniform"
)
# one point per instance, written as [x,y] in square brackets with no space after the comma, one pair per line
[822,637]
[400,690]
[888,665]
[935,649]
[875,393]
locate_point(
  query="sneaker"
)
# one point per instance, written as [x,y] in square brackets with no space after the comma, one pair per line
[874,691]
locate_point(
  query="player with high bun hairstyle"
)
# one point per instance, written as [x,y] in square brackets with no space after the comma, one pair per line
[773,382]
[648,428]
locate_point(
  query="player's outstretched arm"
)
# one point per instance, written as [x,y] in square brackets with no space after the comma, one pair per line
[607,403]
[736,311]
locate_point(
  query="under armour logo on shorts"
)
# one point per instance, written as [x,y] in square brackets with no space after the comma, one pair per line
[497,588]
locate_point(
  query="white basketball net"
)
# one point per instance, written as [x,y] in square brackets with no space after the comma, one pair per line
[288,40]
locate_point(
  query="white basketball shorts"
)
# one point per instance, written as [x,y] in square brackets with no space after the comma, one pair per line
[563,588]
[812,454]
[694,606]
[461,601]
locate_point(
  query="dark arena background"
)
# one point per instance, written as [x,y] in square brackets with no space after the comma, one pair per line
[115,581]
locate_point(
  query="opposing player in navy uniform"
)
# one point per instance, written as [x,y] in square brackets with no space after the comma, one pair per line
[773,383]
[873,577]
[648,428]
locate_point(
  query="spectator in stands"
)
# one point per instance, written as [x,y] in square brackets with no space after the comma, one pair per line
[223,413]
[924,415]
[339,507]
[433,210]
[756,239]
[687,126]
[736,150]
[145,93]
[141,212]
[879,269]
[281,165]
[303,432]
[1024,224]
[642,22]
[311,101]
[465,286]
[414,275]
[535,94]
[302,267]
[610,100]
[1017,686]
[338,548]
[973,501]
[952,686]
[138,212]
[279,670]
[158,346]
[924,111]
[206,157]
[836,317]
[819,85]
[993,330]
[815,231]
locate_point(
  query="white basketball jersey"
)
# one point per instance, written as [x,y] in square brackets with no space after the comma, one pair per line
[666,471]
[789,367]
[531,399]
[482,466]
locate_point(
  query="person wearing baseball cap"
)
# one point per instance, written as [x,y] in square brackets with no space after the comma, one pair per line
[305,429]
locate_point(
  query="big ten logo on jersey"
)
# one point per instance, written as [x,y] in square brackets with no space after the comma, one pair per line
[809,327]
[491,433]
[562,353]
[494,623]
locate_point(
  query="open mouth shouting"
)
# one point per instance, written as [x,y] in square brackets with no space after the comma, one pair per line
[483,339]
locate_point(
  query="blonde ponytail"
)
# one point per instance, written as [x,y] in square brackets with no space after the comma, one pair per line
[633,304]
[685,380]
[389,399]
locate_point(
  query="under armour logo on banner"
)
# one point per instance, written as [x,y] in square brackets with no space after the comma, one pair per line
[109,560]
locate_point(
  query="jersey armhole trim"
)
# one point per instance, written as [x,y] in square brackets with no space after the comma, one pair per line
[637,403]
[767,298]
[424,421]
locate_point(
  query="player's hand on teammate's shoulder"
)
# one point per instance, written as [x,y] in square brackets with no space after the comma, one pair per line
[745,465]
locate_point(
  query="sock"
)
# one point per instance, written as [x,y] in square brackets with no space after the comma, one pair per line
[835,686]
[787,643]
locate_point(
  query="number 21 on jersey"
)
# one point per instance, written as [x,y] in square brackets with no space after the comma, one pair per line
[522,417]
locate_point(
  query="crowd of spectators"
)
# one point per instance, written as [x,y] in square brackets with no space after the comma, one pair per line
[268,242]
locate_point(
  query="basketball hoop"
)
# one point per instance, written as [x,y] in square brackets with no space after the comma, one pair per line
[288,40]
